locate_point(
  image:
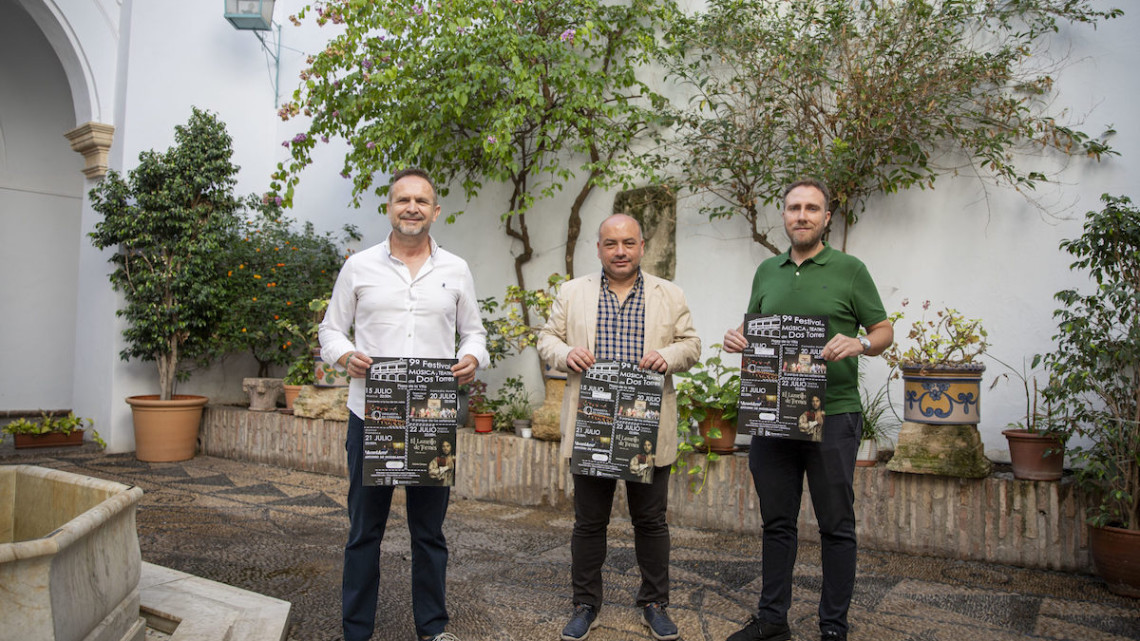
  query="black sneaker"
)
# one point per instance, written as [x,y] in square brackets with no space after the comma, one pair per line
[585,619]
[654,616]
[757,630]
[832,635]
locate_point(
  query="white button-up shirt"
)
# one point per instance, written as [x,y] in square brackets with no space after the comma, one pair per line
[393,315]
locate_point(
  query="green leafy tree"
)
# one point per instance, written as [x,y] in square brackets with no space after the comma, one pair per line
[871,97]
[1095,369]
[170,221]
[275,269]
[482,91]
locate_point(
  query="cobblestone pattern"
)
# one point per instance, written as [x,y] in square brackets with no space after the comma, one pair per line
[280,532]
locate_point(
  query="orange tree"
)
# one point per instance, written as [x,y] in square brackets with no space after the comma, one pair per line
[275,269]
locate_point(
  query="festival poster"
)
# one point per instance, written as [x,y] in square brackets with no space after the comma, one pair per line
[411,411]
[615,431]
[783,377]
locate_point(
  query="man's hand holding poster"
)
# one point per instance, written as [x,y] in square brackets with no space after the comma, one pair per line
[615,432]
[783,377]
[411,410]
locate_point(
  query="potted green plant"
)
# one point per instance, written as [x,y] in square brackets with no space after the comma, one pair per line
[304,333]
[299,375]
[481,406]
[169,224]
[942,382]
[707,396]
[274,267]
[1036,448]
[50,431]
[878,426]
[513,333]
[1094,384]
[940,369]
[515,409]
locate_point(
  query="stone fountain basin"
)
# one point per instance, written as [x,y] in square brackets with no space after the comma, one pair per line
[69,557]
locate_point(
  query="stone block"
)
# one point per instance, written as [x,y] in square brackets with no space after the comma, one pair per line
[947,450]
[322,402]
[548,417]
[263,393]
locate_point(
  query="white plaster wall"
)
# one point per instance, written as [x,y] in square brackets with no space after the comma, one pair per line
[141,65]
[983,249]
[150,62]
[83,34]
[40,196]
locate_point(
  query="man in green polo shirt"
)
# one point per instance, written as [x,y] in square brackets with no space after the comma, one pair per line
[812,279]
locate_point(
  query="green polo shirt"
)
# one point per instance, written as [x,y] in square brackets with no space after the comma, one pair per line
[831,284]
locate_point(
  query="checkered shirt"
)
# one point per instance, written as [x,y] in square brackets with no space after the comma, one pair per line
[621,326]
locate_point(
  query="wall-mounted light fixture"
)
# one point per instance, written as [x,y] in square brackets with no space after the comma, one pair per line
[256,15]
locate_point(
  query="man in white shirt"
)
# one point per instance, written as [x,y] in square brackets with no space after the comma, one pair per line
[405,297]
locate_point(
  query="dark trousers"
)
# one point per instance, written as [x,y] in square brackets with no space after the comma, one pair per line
[593,500]
[778,468]
[367,516]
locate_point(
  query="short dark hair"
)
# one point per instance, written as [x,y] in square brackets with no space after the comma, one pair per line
[810,182]
[414,171]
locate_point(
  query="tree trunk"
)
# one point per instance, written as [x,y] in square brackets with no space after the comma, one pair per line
[167,367]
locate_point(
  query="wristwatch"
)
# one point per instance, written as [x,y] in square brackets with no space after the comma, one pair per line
[865,342]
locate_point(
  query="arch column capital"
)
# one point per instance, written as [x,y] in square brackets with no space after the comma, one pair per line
[93,140]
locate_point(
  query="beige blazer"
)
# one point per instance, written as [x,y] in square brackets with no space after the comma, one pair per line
[668,329]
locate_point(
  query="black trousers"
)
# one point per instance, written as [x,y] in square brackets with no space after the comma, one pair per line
[368,509]
[778,469]
[593,500]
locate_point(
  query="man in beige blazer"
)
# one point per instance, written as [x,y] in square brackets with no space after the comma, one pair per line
[620,314]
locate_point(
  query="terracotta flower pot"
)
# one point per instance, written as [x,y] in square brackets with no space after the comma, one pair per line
[1027,454]
[51,439]
[291,393]
[166,430]
[484,422]
[1116,554]
[726,442]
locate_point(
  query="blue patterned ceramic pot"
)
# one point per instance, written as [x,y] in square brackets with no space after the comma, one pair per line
[942,394]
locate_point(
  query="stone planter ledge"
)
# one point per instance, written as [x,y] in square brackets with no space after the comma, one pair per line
[993,519]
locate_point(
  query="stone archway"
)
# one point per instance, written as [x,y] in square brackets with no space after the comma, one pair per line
[41,202]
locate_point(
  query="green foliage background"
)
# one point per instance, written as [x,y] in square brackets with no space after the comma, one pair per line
[1095,369]
[275,268]
[171,221]
[870,97]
